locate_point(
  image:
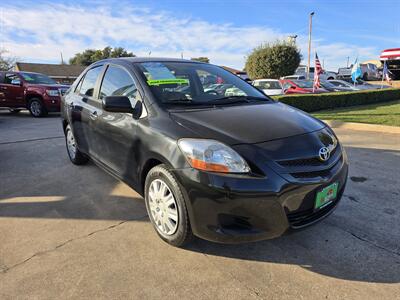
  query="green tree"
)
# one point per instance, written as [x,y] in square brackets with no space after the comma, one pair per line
[90,56]
[273,60]
[201,59]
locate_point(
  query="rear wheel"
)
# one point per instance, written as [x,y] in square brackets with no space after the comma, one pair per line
[36,108]
[76,157]
[166,207]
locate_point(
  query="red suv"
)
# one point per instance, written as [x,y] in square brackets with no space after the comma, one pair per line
[33,91]
[300,87]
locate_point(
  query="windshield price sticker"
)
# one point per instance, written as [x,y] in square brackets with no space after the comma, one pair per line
[168,81]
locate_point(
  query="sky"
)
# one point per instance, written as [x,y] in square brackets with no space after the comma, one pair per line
[224,31]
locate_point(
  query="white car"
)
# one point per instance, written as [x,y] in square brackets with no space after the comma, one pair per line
[269,86]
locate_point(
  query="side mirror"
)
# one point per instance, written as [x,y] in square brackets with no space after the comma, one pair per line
[16,81]
[122,104]
[119,104]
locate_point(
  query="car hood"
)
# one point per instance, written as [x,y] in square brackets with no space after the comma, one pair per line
[247,124]
[272,92]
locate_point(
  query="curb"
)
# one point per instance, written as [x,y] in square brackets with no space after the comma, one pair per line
[363,126]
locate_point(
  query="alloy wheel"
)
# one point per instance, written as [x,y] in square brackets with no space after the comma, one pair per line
[163,207]
[71,146]
[36,108]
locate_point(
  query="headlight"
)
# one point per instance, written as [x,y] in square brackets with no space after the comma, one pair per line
[210,155]
[53,93]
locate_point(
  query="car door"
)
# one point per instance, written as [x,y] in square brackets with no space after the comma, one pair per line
[12,90]
[83,107]
[115,140]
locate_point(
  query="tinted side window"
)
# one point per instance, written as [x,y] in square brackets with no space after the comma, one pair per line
[10,77]
[89,81]
[117,82]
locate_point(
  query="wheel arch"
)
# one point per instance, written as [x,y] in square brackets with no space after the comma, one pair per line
[29,97]
[150,163]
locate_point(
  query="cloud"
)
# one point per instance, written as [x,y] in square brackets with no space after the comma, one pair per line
[40,32]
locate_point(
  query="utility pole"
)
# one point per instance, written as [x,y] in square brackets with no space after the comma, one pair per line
[348,57]
[309,45]
[62,59]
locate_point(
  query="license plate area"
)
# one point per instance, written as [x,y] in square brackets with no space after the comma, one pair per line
[325,196]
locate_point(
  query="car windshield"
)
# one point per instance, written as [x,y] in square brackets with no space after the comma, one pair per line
[327,84]
[186,83]
[303,83]
[341,83]
[37,78]
[268,85]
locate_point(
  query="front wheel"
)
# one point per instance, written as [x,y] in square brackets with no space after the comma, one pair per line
[166,207]
[76,157]
[36,108]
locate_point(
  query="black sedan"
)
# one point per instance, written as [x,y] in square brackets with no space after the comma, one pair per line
[233,167]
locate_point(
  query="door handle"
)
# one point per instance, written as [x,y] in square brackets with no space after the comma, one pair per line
[93,115]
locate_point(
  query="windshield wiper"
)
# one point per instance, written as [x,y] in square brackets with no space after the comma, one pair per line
[180,101]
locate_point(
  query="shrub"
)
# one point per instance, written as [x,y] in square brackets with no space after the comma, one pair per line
[315,102]
[273,60]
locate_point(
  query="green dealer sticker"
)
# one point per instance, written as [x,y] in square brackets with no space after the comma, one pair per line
[167,81]
[326,196]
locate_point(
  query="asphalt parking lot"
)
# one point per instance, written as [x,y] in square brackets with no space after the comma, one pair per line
[76,232]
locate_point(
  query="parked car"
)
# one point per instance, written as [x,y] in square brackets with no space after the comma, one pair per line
[362,85]
[343,84]
[218,88]
[224,168]
[295,77]
[369,71]
[33,91]
[269,86]
[300,87]
[330,87]
[325,75]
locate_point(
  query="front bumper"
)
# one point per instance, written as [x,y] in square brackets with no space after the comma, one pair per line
[52,103]
[242,208]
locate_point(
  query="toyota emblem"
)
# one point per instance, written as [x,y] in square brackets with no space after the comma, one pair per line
[324,153]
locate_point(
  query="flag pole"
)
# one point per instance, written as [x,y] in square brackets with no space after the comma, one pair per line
[383,73]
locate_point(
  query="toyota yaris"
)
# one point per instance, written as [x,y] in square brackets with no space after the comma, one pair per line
[230,168]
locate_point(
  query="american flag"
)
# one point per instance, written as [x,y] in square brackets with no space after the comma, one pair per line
[317,72]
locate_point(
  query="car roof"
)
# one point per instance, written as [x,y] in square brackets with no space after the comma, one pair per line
[147,59]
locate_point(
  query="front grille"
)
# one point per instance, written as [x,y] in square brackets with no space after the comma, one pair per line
[315,174]
[323,173]
[305,162]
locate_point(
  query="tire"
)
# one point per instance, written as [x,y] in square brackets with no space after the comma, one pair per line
[76,157]
[331,78]
[36,108]
[182,233]
[14,110]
